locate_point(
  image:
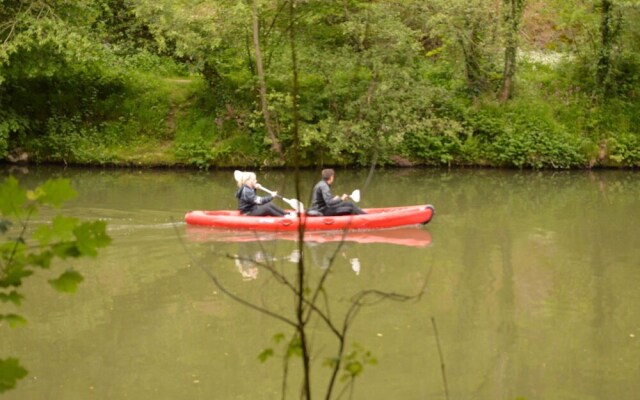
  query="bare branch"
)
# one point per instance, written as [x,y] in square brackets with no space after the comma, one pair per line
[223,289]
[325,274]
[444,375]
[283,280]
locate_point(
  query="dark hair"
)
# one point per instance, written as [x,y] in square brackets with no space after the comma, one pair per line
[327,174]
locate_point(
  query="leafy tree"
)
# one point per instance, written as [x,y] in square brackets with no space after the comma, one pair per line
[255,24]
[53,71]
[613,64]
[22,253]
[457,33]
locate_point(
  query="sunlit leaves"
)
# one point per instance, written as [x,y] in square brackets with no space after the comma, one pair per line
[53,192]
[90,236]
[278,337]
[16,201]
[188,29]
[352,369]
[67,282]
[12,197]
[330,362]
[265,355]
[295,347]
[60,229]
[10,372]
[70,238]
[291,348]
[355,361]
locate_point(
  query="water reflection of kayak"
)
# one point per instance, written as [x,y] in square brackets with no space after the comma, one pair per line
[375,218]
[407,236]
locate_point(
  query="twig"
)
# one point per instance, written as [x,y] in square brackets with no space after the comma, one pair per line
[285,376]
[223,289]
[444,374]
[349,385]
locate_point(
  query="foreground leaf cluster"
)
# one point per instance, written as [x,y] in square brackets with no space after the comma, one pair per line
[23,251]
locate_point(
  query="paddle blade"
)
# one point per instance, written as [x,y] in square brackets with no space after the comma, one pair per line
[355,196]
[295,204]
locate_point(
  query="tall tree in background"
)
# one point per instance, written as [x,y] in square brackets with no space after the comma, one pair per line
[608,33]
[464,32]
[473,35]
[262,84]
[512,16]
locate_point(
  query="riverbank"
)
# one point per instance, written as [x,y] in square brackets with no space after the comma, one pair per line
[416,85]
[176,122]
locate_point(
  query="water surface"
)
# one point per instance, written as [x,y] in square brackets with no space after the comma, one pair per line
[531,279]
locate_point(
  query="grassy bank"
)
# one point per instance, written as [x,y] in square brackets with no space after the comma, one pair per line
[177,120]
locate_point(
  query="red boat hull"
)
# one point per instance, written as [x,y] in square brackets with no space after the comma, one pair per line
[376,218]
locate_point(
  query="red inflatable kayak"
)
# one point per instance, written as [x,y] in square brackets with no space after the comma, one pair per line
[375,218]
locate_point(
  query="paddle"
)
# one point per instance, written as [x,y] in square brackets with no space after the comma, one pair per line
[355,195]
[294,203]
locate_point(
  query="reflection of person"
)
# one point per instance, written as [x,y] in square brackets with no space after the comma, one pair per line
[250,203]
[355,265]
[321,254]
[324,256]
[250,258]
[326,203]
[247,268]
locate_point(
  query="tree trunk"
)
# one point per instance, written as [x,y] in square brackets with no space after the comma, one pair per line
[211,75]
[606,42]
[513,16]
[301,285]
[275,144]
[472,58]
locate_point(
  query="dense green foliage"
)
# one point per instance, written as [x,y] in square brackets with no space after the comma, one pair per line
[23,252]
[396,82]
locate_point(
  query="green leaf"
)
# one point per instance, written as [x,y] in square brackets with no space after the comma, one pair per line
[330,362]
[295,348]
[12,197]
[13,319]
[65,250]
[42,260]
[354,368]
[67,282]
[10,372]
[278,337]
[13,276]
[12,297]
[60,229]
[53,192]
[90,236]
[265,355]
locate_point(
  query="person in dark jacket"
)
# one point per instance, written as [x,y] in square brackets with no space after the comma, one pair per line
[326,203]
[249,203]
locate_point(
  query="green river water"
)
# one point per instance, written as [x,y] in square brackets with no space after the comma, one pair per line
[531,278]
